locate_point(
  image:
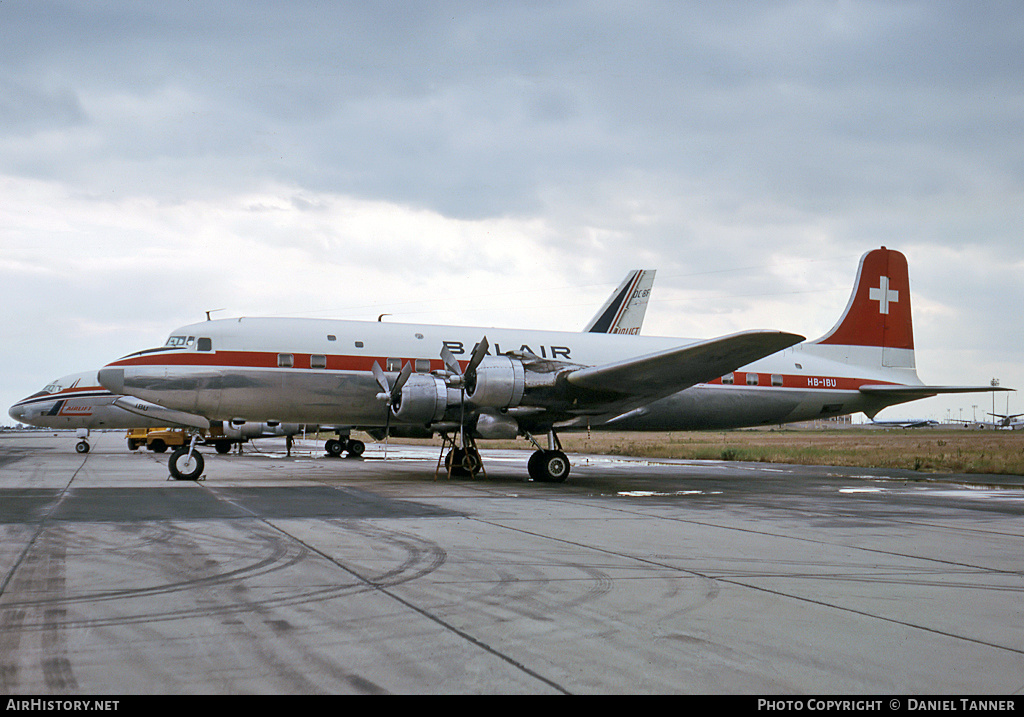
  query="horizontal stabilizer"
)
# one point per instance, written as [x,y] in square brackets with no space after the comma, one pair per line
[910,393]
[664,373]
[159,413]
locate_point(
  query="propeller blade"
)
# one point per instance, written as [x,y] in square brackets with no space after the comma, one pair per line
[382,378]
[478,355]
[449,361]
[402,378]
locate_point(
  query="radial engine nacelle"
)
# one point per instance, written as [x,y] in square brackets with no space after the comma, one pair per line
[496,425]
[507,381]
[498,382]
[423,399]
[251,429]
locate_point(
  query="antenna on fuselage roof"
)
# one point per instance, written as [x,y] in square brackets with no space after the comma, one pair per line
[381,317]
[211,311]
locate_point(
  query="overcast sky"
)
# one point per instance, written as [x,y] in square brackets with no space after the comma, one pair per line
[504,164]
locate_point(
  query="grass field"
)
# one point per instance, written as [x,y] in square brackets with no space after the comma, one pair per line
[923,449]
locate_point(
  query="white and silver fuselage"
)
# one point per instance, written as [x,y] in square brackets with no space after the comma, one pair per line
[320,371]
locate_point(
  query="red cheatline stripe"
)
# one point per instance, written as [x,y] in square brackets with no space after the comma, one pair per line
[261,359]
[834,383]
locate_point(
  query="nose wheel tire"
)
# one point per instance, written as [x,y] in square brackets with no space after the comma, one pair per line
[82,447]
[184,468]
[548,466]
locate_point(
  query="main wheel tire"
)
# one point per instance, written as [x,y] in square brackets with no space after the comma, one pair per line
[548,466]
[463,463]
[472,463]
[453,462]
[334,448]
[183,468]
[355,448]
[222,447]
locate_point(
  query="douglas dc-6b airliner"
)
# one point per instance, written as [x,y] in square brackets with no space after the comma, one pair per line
[79,402]
[501,383]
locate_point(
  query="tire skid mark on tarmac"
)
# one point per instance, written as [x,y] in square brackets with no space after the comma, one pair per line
[41,567]
[266,554]
[725,579]
[811,513]
[422,557]
[385,588]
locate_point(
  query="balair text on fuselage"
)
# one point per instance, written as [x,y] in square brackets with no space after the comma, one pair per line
[458,348]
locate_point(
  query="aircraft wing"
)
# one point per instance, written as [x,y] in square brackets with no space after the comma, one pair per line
[167,415]
[647,378]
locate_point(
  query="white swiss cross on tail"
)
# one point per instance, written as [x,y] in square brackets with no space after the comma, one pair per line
[883,295]
[878,314]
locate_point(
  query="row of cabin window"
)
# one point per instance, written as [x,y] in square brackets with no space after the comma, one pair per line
[287,361]
[320,361]
[752,379]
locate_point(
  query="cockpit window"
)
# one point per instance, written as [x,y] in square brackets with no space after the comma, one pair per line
[177,341]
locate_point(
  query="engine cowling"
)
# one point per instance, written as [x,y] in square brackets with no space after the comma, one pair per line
[500,382]
[259,430]
[494,425]
[422,400]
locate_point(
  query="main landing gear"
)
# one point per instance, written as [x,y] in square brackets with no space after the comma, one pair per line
[460,461]
[546,465]
[549,465]
[335,447]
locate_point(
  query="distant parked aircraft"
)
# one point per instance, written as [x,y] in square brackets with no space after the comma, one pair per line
[910,423]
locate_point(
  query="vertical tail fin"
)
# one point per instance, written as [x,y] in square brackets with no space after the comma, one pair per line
[623,312]
[876,333]
[877,318]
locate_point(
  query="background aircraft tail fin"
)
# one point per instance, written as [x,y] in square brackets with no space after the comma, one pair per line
[623,312]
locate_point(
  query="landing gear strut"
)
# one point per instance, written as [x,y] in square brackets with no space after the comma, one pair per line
[549,465]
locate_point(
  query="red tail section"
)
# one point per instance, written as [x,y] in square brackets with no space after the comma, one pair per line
[879,310]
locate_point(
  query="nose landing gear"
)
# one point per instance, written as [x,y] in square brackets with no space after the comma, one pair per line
[186,463]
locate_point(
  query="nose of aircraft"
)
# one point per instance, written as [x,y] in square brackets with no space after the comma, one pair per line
[17,412]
